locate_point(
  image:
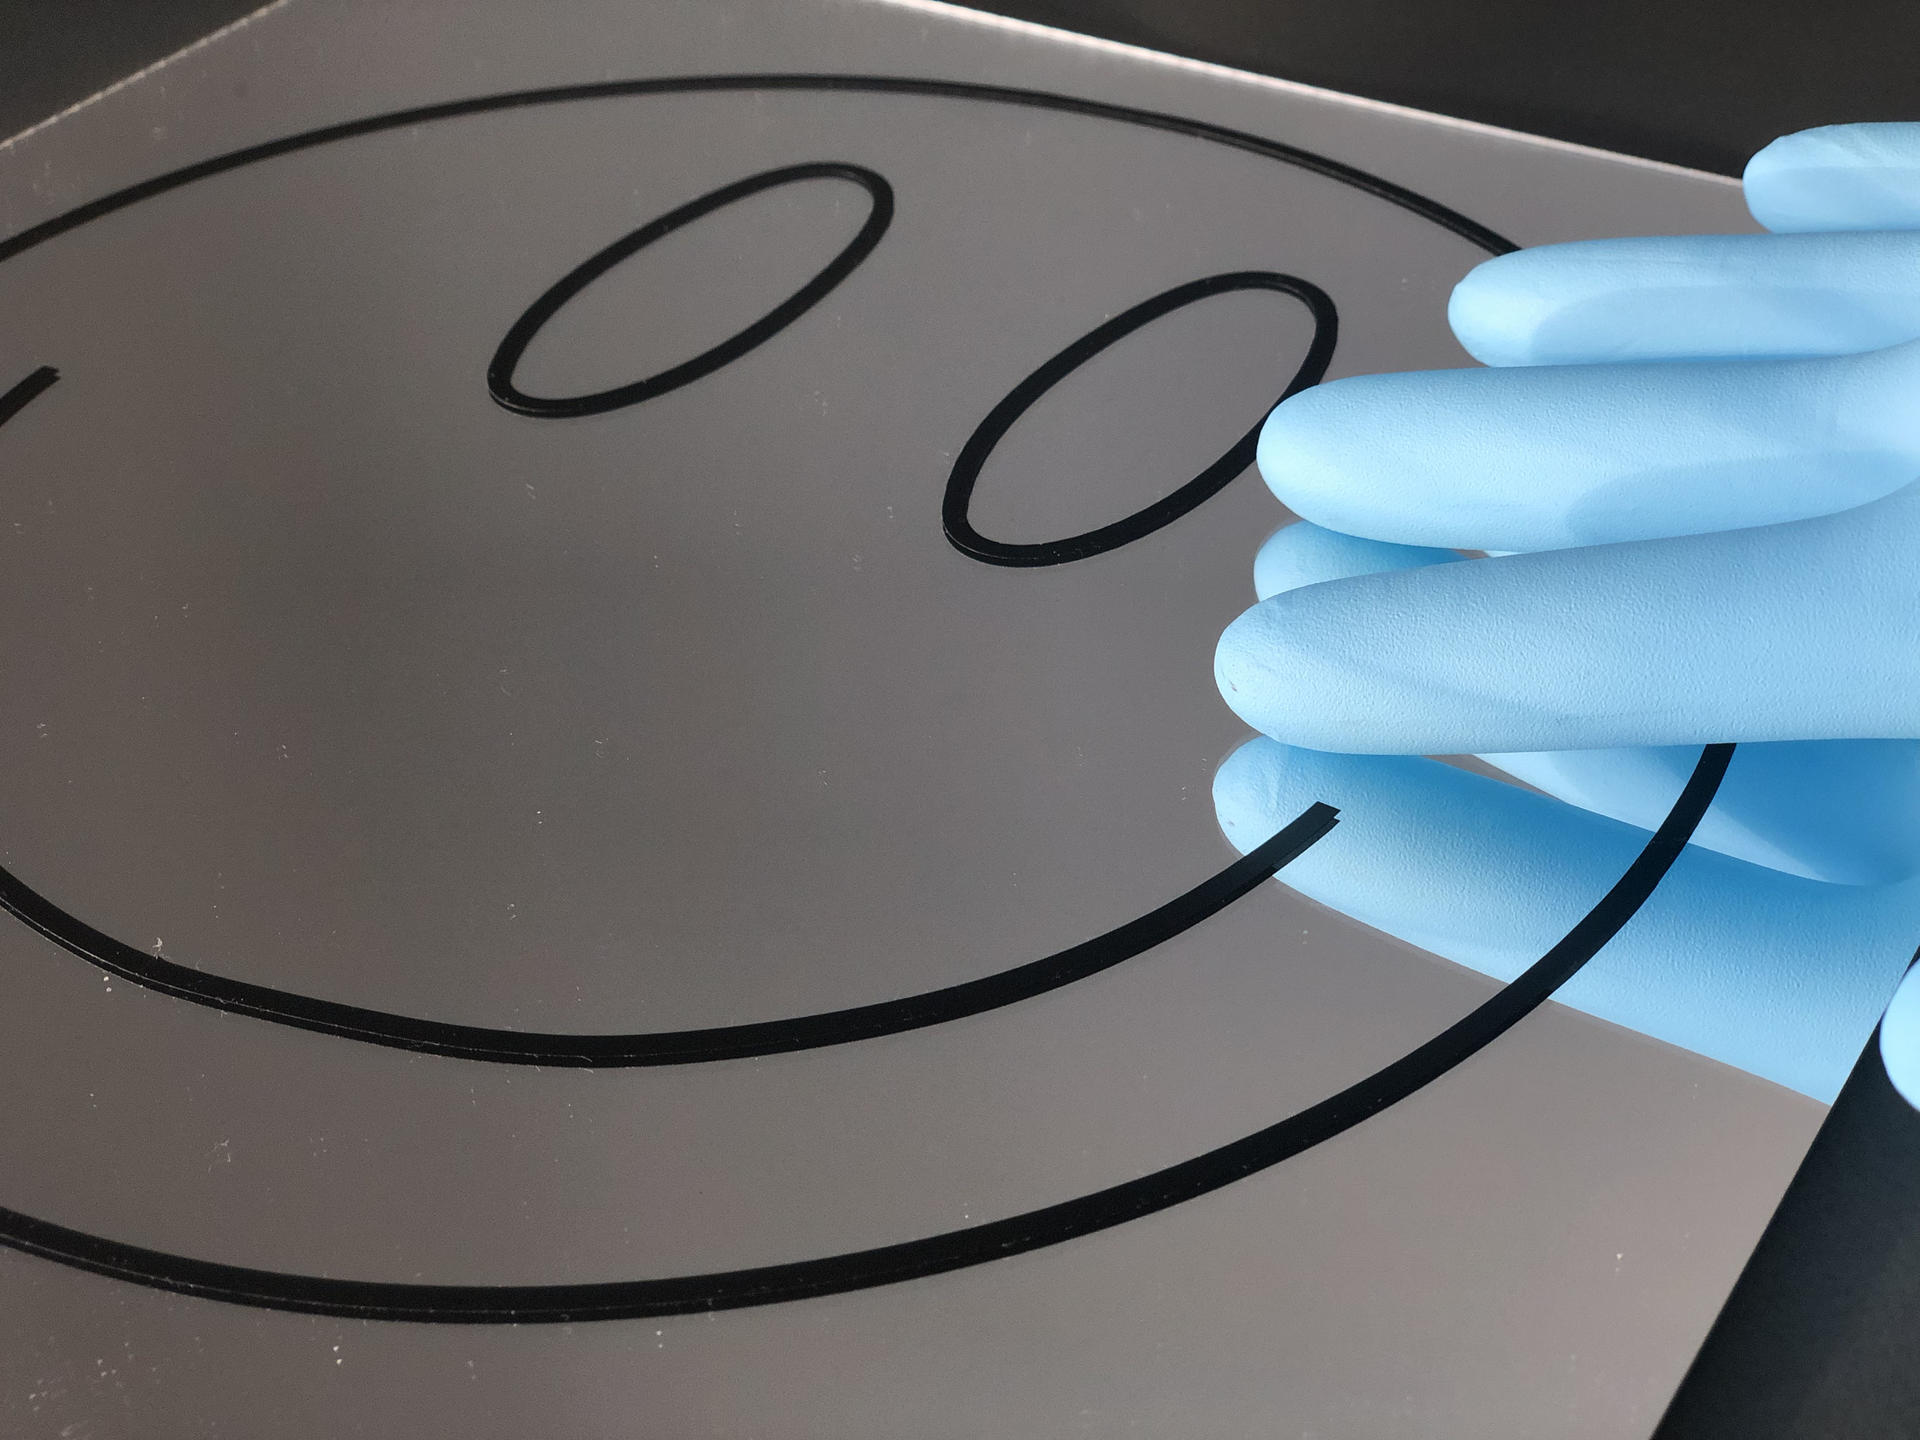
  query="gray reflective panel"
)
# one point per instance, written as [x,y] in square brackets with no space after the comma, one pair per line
[493,742]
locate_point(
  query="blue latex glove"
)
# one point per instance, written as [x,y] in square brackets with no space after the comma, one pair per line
[1705,446]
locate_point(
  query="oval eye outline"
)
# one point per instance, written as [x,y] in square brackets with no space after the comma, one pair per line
[521,334]
[958,501]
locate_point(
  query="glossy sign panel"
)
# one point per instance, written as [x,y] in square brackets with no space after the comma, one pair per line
[609,724]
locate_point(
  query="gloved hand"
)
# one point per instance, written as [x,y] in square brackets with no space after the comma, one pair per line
[1703,446]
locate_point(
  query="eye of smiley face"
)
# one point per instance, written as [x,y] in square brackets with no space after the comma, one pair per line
[421,706]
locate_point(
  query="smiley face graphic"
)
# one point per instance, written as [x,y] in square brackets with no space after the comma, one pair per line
[706,594]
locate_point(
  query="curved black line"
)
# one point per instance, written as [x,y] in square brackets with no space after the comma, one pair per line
[522,332]
[26,392]
[958,500]
[1441,215]
[672,1047]
[912,1259]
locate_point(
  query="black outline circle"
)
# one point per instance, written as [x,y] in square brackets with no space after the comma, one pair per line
[521,333]
[978,1244]
[958,500]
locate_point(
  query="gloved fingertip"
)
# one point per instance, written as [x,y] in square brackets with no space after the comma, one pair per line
[1307,554]
[1838,177]
[1247,793]
[1289,669]
[1496,313]
[1240,667]
[1326,452]
[1900,1039]
[1690,297]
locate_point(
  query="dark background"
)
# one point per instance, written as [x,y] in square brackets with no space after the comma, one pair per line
[1821,1337]
[1696,82]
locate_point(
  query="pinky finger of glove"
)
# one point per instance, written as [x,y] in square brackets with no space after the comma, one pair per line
[1780,976]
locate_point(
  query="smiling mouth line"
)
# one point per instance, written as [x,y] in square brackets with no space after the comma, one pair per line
[934,1254]
[888,1264]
